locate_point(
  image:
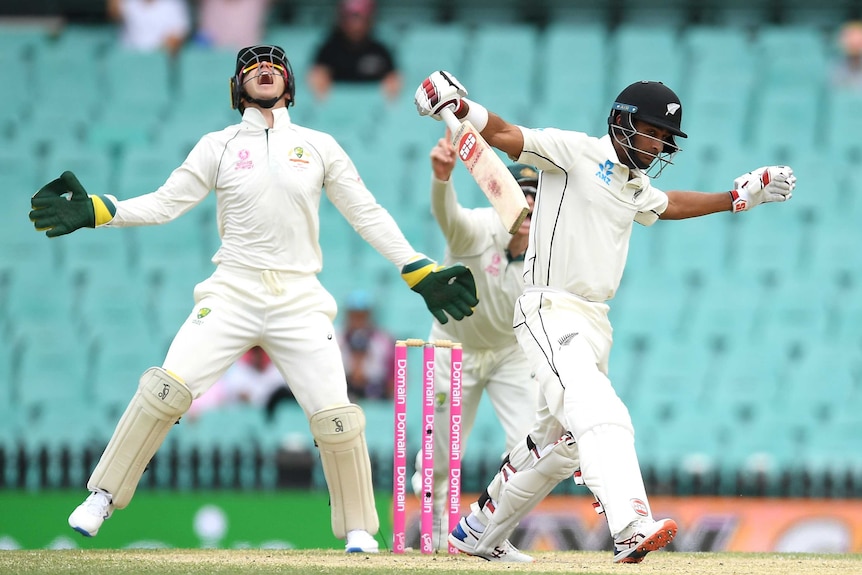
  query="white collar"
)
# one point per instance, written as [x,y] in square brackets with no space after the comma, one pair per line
[254,118]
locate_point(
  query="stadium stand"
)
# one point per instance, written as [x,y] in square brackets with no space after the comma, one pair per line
[697,301]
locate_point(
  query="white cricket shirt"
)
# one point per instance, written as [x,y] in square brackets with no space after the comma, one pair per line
[585,207]
[268,184]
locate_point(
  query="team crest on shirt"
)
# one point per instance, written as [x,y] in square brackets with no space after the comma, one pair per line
[605,172]
[243,163]
[296,156]
[298,159]
[199,317]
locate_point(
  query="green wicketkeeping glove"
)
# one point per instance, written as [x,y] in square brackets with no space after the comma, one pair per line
[449,290]
[63,206]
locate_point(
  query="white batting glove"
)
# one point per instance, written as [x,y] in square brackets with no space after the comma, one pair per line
[439,90]
[763,185]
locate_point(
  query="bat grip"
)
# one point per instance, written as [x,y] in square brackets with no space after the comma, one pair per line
[451,121]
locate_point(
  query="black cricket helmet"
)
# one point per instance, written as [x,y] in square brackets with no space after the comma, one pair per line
[249,58]
[527,177]
[653,103]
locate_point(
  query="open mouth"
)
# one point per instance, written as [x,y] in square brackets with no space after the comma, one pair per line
[265,78]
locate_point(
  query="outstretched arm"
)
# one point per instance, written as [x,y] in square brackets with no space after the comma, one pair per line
[682,205]
[764,185]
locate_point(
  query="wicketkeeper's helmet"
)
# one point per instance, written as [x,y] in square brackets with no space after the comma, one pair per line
[527,176]
[250,58]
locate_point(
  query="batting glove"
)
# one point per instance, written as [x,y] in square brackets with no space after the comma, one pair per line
[63,206]
[446,290]
[439,90]
[763,185]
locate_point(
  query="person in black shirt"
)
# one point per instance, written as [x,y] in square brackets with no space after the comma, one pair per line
[352,54]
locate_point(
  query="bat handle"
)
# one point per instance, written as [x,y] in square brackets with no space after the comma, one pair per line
[451,121]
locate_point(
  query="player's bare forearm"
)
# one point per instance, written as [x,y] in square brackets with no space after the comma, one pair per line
[682,205]
[499,133]
[504,136]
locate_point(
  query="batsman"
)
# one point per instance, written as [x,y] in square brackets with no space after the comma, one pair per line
[268,175]
[591,192]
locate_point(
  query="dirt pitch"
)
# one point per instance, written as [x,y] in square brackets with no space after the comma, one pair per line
[260,562]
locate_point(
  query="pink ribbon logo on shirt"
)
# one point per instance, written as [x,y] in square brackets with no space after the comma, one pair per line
[244,163]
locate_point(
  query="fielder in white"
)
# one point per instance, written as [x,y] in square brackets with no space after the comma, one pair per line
[268,175]
[591,191]
[493,362]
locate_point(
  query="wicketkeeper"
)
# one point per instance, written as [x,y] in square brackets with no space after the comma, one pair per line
[268,175]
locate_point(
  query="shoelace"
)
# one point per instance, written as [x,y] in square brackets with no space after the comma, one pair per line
[98,504]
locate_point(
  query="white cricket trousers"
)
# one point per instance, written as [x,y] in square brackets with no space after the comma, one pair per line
[568,340]
[290,316]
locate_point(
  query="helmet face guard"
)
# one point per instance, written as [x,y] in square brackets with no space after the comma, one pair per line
[250,58]
[656,105]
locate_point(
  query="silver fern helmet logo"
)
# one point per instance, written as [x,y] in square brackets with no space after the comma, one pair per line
[672,109]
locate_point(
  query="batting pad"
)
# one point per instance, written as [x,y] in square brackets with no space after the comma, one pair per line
[517,494]
[340,436]
[157,405]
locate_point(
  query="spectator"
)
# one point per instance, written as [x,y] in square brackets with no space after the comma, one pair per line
[151,25]
[847,72]
[367,351]
[231,23]
[253,379]
[352,54]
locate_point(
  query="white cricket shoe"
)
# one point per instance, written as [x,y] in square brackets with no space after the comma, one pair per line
[359,541]
[89,515]
[465,539]
[641,537]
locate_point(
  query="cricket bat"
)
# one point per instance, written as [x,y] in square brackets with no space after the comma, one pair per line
[492,176]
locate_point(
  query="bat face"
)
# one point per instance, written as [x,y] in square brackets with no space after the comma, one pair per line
[491,175]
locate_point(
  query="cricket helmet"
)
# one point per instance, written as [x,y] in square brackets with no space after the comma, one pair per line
[653,103]
[249,58]
[527,177]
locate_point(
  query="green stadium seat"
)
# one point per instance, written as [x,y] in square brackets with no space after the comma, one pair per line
[54,365]
[787,115]
[144,170]
[300,43]
[204,71]
[482,12]
[573,81]
[93,168]
[843,123]
[428,46]
[496,51]
[53,426]
[148,89]
[791,57]
[39,302]
[756,453]
[746,14]
[665,64]
[71,87]
[121,357]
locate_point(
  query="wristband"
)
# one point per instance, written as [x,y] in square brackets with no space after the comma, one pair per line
[737,203]
[476,115]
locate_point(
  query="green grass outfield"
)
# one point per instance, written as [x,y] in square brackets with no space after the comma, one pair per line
[260,562]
